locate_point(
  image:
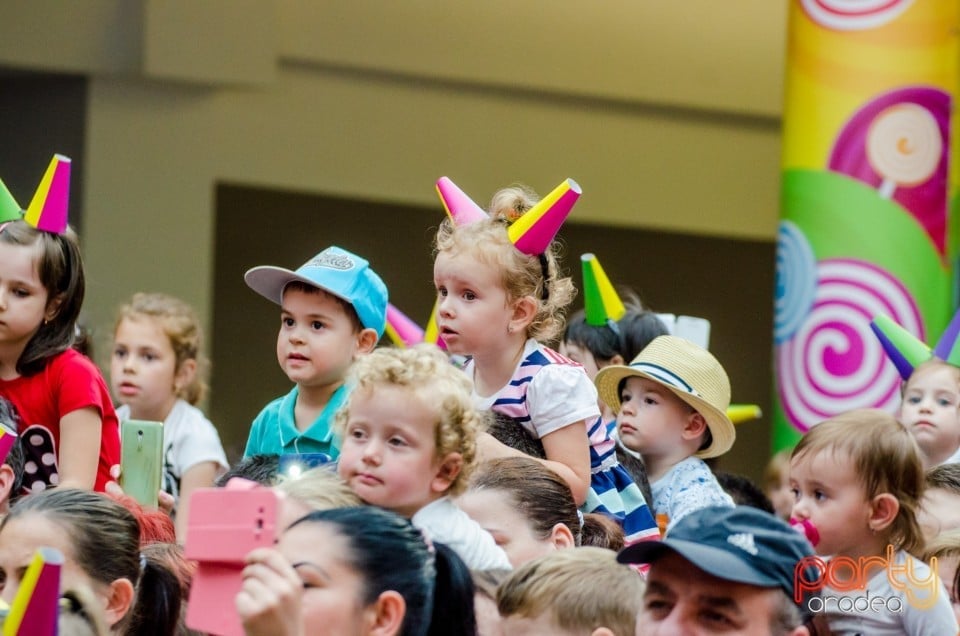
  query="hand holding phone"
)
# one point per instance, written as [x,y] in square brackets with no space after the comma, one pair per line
[225,525]
[141,460]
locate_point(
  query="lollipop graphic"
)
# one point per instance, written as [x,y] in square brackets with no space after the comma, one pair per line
[904,146]
[834,362]
[796,281]
[853,15]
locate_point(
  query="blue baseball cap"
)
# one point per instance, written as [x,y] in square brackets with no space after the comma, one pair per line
[335,271]
[740,544]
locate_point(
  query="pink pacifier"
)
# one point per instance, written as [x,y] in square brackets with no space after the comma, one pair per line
[808,529]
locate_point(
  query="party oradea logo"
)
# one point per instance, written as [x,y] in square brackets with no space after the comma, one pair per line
[830,586]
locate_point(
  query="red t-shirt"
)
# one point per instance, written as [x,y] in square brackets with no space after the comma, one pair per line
[68,382]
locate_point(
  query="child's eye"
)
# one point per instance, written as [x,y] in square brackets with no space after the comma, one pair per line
[442,292]
[357,433]
[913,399]
[316,324]
[119,353]
[796,493]
[819,495]
[21,293]
[286,321]
[469,295]
[945,402]
[149,357]
[649,400]
[397,441]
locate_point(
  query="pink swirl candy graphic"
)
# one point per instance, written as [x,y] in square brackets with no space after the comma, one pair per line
[833,362]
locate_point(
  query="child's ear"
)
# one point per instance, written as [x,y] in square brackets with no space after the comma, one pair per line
[617,359]
[184,375]
[53,308]
[366,340]
[447,472]
[695,426]
[524,310]
[561,536]
[385,615]
[883,510]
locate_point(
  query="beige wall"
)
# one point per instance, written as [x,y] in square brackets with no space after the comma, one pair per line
[667,113]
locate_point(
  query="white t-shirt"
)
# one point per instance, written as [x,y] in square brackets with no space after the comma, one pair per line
[887,610]
[189,438]
[443,522]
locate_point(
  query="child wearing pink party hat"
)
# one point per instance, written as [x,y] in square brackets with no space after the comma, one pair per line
[499,297]
[68,425]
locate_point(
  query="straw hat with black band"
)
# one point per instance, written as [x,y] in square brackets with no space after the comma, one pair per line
[689,372]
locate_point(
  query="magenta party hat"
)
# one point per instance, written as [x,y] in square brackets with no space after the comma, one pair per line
[601,303]
[904,349]
[458,205]
[10,210]
[533,232]
[36,607]
[7,439]
[48,209]
[401,330]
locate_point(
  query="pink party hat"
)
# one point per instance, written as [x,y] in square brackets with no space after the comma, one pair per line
[948,347]
[533,232]
[904,349]
[601,303]
[7,439]
[458,205]
[10,210]
[35,609]
[401,330]
[48,209]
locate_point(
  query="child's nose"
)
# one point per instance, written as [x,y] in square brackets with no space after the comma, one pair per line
[371,452]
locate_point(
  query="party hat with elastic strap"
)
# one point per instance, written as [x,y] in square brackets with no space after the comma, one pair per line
[601,303]
[35,608]
[401,330]
[10,210]
[948,347]
[904,349]
[48,209]
[538,226]
[458,205]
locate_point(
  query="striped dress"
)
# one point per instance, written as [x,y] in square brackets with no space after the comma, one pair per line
[549,392]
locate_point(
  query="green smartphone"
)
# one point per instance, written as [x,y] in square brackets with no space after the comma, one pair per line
[141,460]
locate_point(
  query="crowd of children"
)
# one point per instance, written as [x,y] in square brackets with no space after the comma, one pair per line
[532,491]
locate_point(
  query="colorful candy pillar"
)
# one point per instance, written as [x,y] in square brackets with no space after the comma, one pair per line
[867,195]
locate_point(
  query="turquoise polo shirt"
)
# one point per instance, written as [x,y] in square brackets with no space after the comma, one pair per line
[274,431]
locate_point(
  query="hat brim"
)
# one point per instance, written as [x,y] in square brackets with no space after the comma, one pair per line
[721,427]
[720,563]
[270,281]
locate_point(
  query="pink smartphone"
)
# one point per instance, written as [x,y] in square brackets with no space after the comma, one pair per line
[225,525]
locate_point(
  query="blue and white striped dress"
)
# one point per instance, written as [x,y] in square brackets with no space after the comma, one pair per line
[548,392]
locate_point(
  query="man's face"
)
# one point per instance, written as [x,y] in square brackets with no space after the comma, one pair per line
[682,599]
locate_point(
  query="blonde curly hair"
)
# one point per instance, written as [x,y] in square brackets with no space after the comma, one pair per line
[427,373]
[520,274]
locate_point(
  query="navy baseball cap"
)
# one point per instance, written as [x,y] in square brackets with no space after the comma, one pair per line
[336,271]
[740,544]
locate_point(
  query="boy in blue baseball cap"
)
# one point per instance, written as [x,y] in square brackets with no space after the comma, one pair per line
[333,309]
